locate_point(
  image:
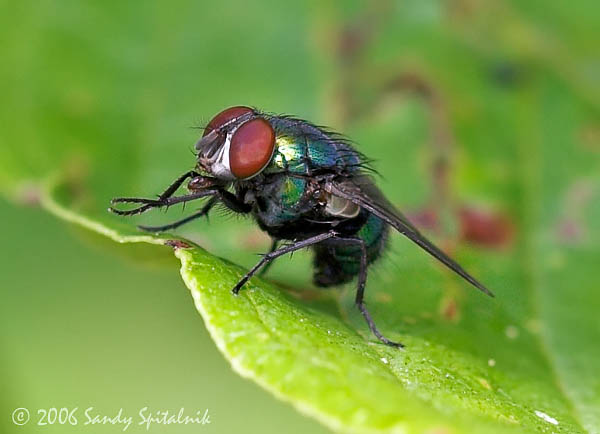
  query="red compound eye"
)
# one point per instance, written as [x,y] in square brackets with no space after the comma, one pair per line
[225,116]
[251,148]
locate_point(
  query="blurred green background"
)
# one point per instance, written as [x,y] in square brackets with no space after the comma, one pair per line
[483,118]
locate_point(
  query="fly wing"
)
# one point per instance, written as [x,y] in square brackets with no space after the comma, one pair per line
[362,191]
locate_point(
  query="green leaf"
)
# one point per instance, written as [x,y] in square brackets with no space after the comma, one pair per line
[109,117]
[328,371]
[305,353]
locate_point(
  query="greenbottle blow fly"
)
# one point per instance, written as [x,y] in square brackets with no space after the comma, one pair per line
[301,183]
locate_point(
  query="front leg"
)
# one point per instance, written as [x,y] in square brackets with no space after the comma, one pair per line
[200,213]
[199,186]
[158,203]
[221,195]
[231,201]
[152,203]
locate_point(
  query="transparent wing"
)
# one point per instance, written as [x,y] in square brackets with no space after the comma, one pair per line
[362,191]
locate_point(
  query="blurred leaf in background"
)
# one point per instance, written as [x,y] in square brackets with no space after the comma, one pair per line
[484,119]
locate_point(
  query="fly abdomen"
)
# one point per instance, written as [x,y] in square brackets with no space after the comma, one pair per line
[337,263]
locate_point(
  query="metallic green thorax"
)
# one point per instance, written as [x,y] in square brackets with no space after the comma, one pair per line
[302,149]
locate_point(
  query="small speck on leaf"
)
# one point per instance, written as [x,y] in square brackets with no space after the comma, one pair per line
[547,418]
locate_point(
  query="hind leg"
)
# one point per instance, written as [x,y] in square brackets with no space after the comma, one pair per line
[360,291]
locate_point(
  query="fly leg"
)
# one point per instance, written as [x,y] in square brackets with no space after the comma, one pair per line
[274,244]
[177,183]
[228,199]
[297,245]
[158,203]
[165,194]
[360,291]
[151,203]
[200,213]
